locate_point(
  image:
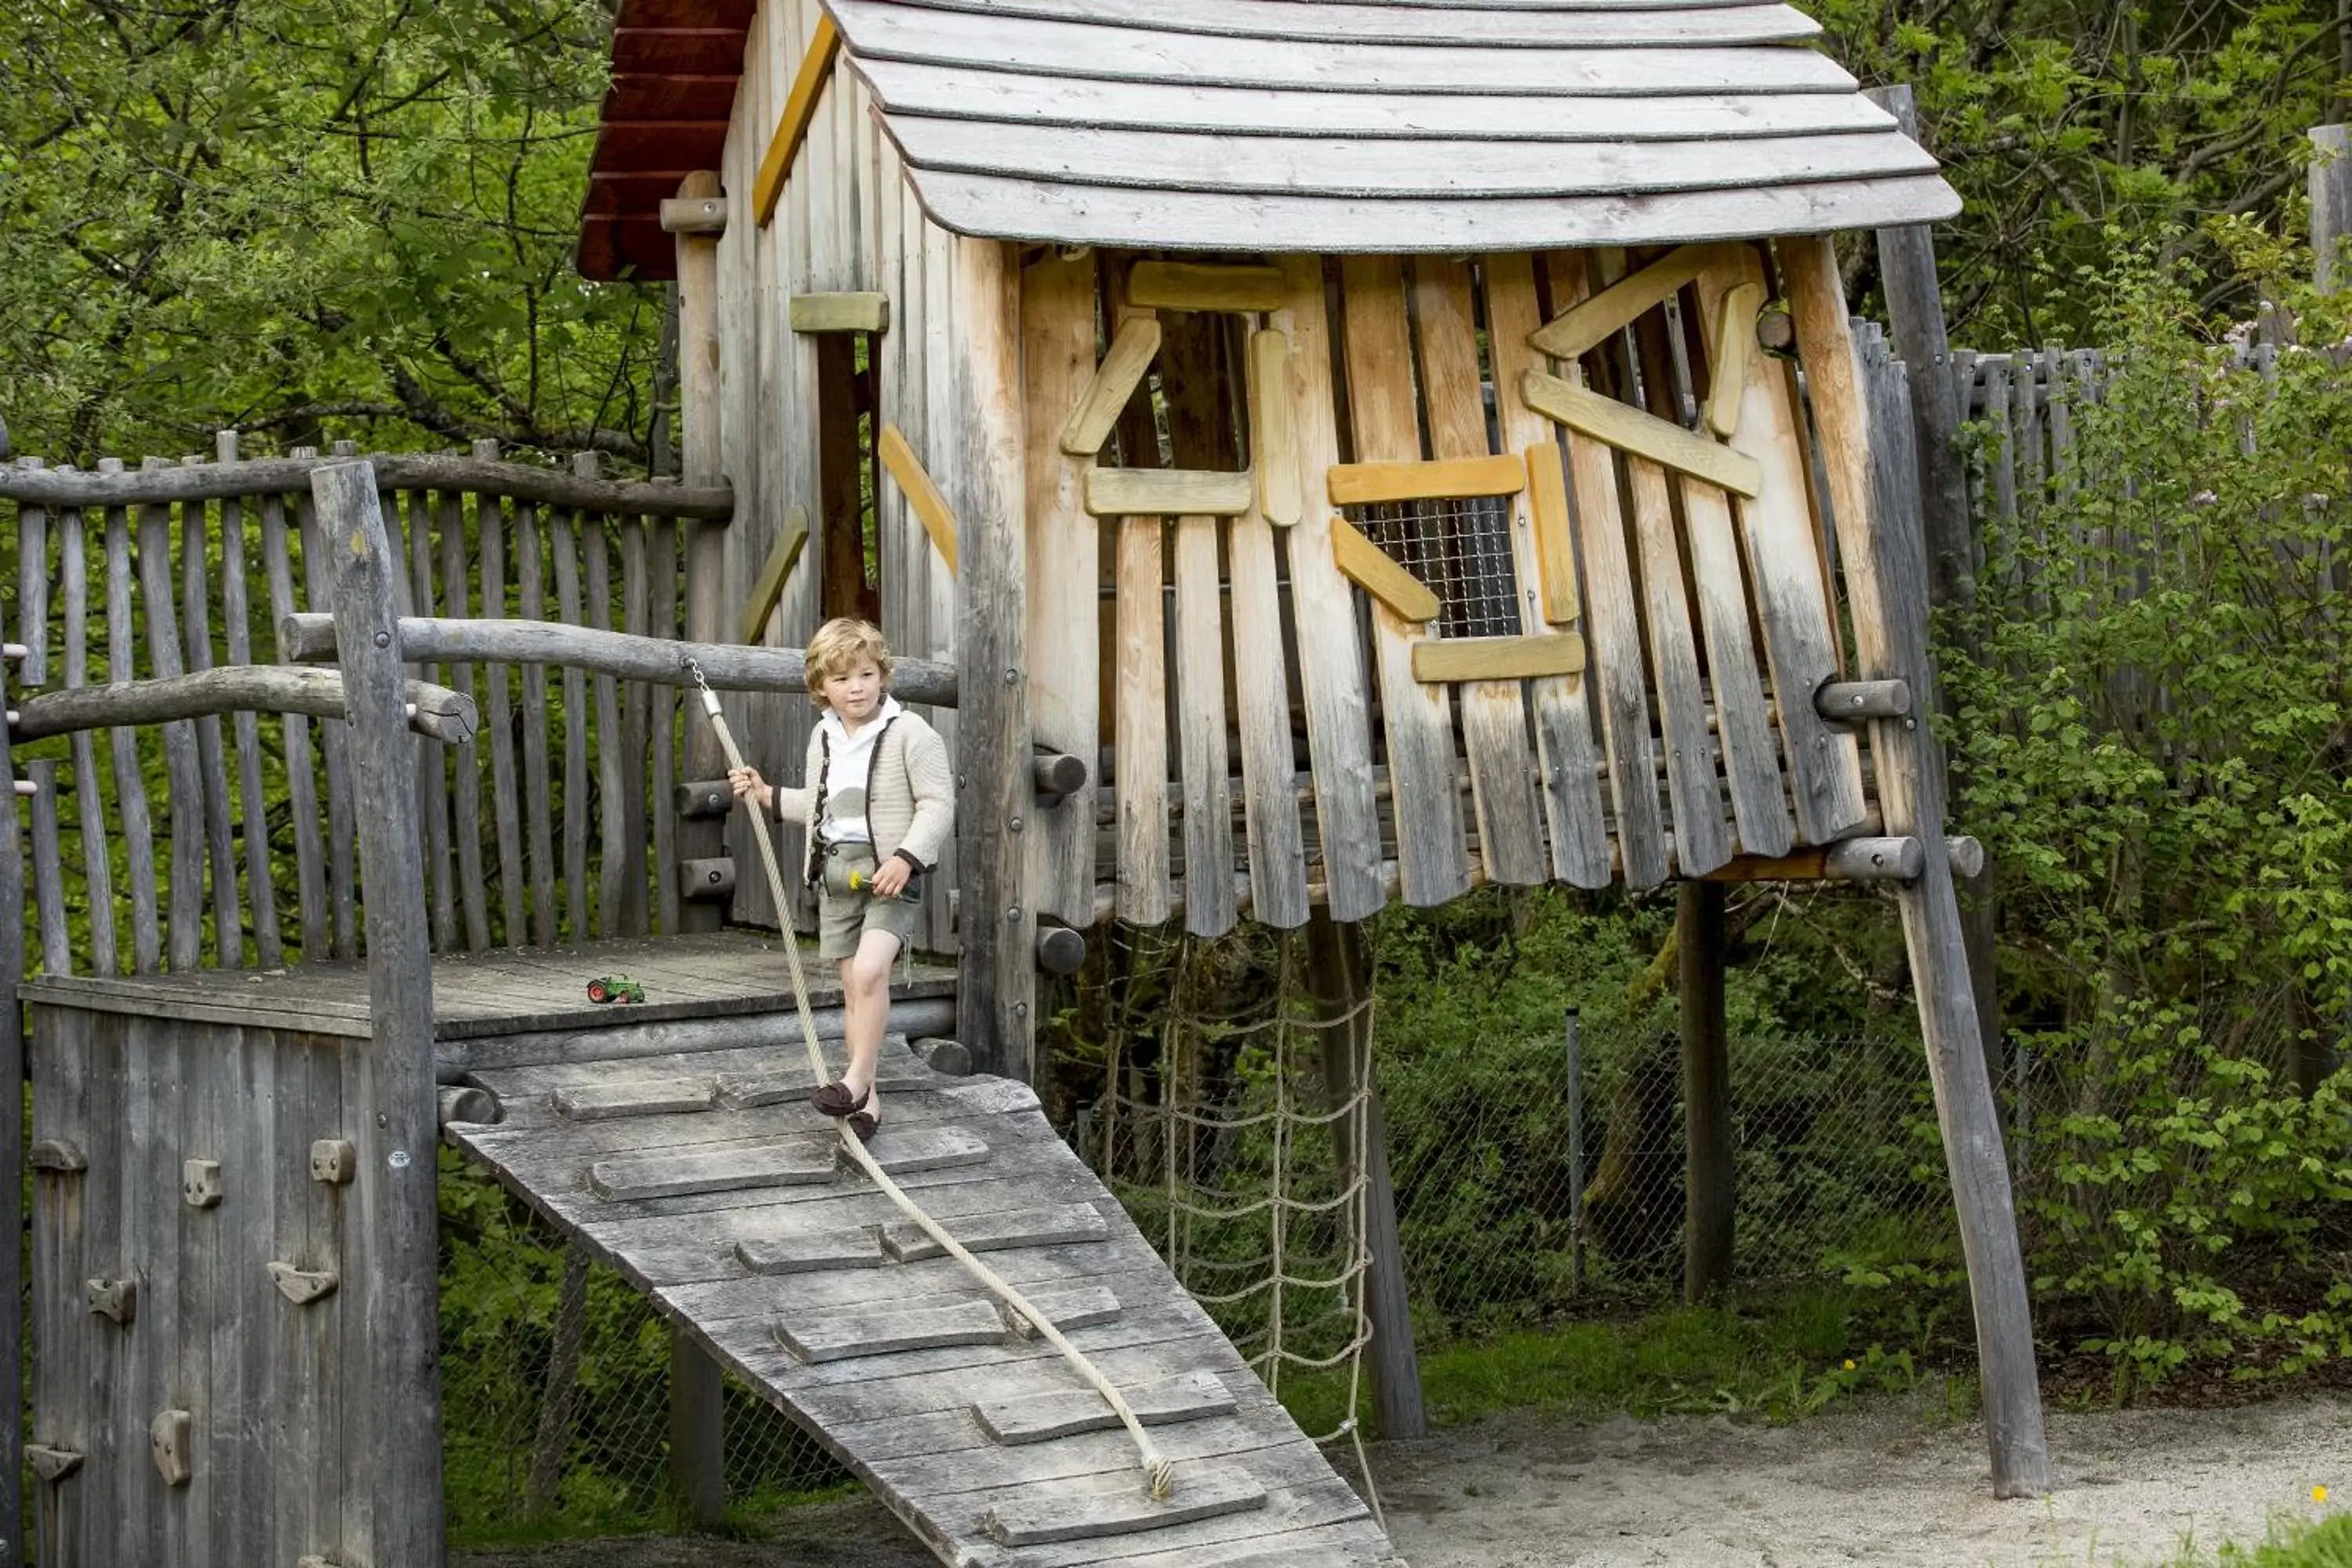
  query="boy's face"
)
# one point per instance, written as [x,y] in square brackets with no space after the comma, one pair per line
[855,693]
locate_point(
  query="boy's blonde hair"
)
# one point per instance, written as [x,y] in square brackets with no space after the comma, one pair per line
[841,645]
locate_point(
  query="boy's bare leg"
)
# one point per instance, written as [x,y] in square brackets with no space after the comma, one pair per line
[866,1007]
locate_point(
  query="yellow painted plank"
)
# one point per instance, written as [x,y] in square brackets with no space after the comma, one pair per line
[1167,492]
[791,126]
[921,494]
[1442,659]
[1113,382]
[1555,539]
[843,313]
[1582,326]
[1203,286]
[770,587]
[1364,484]
[1734,343]
[1273,429]
[1376,572]
[1630,430]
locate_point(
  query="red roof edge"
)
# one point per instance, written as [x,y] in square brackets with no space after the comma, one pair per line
[675,64]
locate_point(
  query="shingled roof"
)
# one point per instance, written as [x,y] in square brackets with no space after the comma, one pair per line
[1373,125]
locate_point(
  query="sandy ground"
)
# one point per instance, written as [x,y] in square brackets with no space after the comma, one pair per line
[1887,1483]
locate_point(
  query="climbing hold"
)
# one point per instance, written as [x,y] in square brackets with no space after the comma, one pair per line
[200,1183]
[303,1286]
[115,1299]
[52,1465]
[171,1439]
[58,1156]
[334,1160]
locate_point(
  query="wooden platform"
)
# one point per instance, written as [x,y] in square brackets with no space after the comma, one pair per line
[512,991]
[800,1276]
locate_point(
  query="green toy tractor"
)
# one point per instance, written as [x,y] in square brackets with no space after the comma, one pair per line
[614,988]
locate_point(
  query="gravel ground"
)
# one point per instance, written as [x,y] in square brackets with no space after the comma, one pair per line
[1884,1482]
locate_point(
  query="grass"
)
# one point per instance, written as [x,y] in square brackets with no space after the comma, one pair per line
[2326,1543]
[1773,1358]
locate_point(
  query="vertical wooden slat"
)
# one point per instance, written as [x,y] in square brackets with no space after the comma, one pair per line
[183,930]
[253,800]
[432,756]
[662,580]
[1433,864]
[33,586]
[220,842]
[334,742]
[1331,650]
[1785,572]
[718,370]
[465,793]
[538,772]
[301,778]
[1702,835]
[563,538]
[635,739]
[257,1164]
[1568,752]
[1494,713]
[48,873]
[90,802]
[148,1080]
[613,762]
[64,1413]
[1198,391]
[1057,339]
[1278,850]
[122,744]
[505,806]
[1613,649]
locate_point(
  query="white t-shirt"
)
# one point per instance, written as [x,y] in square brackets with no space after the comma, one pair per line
[848,769]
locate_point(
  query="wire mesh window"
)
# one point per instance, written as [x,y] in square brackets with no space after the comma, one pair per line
[1461,550]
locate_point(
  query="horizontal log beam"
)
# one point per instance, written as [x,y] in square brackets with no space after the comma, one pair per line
[1058,774]
[1060,950]
[1862,859]
[433,710]
[694,214]
[393,471]
[1851,701]
[425,639]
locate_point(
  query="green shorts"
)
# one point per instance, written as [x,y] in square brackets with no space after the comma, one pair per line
[843,917]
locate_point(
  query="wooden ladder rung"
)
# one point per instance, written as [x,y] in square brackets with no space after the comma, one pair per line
[1058,1226]
[1039,1417]
[1203,1491]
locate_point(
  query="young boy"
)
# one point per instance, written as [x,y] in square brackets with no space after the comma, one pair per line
[880,806]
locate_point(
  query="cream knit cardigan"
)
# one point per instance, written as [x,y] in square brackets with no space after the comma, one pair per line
[910,792]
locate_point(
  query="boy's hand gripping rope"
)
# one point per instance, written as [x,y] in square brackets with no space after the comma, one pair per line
[1160,1475]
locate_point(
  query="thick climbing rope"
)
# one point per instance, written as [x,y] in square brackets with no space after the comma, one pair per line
[1159,1473]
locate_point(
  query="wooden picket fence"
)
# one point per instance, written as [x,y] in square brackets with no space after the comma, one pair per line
[228,841]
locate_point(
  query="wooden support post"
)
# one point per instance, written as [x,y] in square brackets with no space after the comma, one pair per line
[2331,203]
[986,485]
[1338,973]
[395,1191]
[12,1145]
[697,1433]
[1915,310]
[1707,1182]
[705,544]
[1886,574]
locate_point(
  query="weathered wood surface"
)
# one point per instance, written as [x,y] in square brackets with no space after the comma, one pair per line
[885,1361]
[433,711]
[403,471]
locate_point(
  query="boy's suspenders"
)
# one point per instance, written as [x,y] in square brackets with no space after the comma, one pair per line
[824,783]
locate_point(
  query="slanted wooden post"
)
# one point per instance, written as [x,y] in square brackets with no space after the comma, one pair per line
[1338,974]
[986,486]
[1708,1194]
[706,543]
[1915,310]
[400,1110]
[697,1435]
[12,1146]
[1885,576]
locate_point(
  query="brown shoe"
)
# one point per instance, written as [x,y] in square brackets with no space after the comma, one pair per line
[834,1099]
[864,1126]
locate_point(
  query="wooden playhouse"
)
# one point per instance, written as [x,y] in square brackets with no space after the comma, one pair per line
[1394,446]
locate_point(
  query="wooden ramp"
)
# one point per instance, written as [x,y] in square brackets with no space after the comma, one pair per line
[707,1179]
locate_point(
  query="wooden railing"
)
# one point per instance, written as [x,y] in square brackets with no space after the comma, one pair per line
[227,839]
